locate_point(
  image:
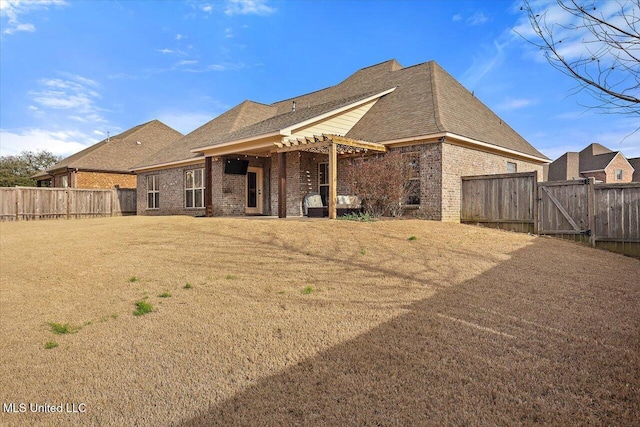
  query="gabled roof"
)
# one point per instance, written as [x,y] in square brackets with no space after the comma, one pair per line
[240,116]
[426,101]
[120,152]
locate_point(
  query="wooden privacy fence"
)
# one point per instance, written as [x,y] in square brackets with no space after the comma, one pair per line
[603,215]
[32,203]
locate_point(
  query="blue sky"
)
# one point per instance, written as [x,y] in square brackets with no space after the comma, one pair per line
[71,71]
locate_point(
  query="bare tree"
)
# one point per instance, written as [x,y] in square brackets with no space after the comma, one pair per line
[598,46]
[383,182]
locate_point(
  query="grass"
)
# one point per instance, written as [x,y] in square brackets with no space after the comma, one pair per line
[142,308]
[412,238]
[63,329]
[50,344]
[307,290]
[230,277]
[164,295]
[362,217]
[460,319]
[133,279]
[188,286]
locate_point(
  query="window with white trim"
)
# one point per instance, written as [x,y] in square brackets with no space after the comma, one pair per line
[153,192]
[413,171]
[194,188]
[512,167]
[618,174]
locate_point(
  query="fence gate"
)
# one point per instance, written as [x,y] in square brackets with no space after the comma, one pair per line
[564,207]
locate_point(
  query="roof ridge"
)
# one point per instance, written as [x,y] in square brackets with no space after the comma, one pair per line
[434,97]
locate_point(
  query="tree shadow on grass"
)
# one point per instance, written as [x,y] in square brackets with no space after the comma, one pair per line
[540,338]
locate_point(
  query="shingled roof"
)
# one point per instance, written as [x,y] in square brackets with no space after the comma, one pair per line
[426,101]
[121,152]
[241,116]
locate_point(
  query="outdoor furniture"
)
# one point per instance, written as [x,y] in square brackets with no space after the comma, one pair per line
[313,207]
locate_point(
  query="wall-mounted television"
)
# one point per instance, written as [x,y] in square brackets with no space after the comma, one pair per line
[236,167]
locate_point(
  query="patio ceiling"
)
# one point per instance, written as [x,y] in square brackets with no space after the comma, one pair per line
[322,143]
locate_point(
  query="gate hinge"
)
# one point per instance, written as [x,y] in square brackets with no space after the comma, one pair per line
[586,232]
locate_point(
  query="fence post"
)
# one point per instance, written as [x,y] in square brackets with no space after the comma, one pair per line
[591,208]
[113,198]
[535,202]
[68,204]
[18,193]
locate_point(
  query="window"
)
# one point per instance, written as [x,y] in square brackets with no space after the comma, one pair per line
[194,188]
[413,171]
[512,167]
[64,181]
[323,182]
[153,192]
[618,174]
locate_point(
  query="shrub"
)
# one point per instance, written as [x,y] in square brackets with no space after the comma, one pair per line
[382,182]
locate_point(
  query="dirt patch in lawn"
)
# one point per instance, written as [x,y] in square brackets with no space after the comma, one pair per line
[313,322]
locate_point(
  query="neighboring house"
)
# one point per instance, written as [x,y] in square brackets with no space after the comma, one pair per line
[107,163]
[595,161]
[635,164]
[264,159]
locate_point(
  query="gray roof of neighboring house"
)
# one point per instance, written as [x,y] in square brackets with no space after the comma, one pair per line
[427,100]
[121,152]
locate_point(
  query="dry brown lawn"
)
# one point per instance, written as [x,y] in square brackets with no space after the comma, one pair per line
[462,326]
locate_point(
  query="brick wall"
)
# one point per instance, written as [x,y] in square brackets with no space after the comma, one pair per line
[460,161]
[103,180]
[172,196]
[619,162]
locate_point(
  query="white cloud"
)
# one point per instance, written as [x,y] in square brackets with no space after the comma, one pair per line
[165,51]
[483,64]
[98,132]
[456,17]
[248,7]
[13,10]
[228,33]
[73,94]
[179,36]
[186,62]
[206,8]
[58,142]
[511,104]
[477,18]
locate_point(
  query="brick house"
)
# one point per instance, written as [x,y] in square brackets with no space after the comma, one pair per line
[635,164]
[106,164]
[595,161]
[264,159]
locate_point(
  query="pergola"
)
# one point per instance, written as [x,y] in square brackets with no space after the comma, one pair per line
[324,144]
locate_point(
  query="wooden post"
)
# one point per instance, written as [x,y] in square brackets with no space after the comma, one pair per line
[18,196]
[68,203]
[114,196]
[333,180]
[591,209]
[208,186]
[282,185]
[535,202]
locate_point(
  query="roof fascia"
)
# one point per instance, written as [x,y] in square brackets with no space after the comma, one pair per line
[167,165]
[438,137]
